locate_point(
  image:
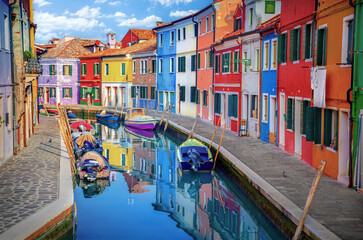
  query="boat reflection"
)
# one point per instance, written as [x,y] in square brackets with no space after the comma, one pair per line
[93,189]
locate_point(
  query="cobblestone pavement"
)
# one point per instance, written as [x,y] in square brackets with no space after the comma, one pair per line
[335,206]
[29,180]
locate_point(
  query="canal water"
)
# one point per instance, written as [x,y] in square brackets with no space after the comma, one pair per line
[147,197]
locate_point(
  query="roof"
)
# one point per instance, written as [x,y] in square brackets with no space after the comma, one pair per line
[229,36]
[272,22]
[143,34]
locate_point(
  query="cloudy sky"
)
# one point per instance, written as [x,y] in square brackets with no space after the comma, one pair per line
[95,18]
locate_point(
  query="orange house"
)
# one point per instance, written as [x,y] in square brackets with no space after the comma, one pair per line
[333,63]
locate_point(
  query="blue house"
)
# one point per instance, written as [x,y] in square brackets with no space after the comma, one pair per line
[166,64]
[6,92]
[268,116]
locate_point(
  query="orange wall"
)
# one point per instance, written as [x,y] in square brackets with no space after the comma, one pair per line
[224,17]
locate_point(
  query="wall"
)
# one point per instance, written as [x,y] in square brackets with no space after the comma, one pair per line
[91,80]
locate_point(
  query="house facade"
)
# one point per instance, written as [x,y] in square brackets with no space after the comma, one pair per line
[134,36]
[90,81]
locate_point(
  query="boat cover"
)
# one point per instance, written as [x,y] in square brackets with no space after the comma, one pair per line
[96,156]
[80,140]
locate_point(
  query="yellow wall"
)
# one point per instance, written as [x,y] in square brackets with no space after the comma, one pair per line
[115,152]
[114,73]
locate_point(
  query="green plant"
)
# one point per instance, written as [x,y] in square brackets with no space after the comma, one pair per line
[28,55]
[1,121]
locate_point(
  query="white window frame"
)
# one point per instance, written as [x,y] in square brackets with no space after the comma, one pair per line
[206,59]
[7,33]
[273,54]
[133,66]
[161,39]
[245,56]
[230,65]
[265,57]
[172,42]
[200,28]
[233,62]
[184,33]
[84,93]
[264,107]
[160,68]
[96,69]
[172,64]
[121,69]
[83,68]
[207,24]
[345,34]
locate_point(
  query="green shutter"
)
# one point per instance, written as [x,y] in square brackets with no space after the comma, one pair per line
[193,63]
[317,125]
[289,114]
[122,68]
[324,46]
[217,64]
[183,65]
[291,47]
[304,42]
[198,96]
[70,92]
[63,92]
[279,48]
[182,93]
[64,72]
[297,41]
[94,69]
[321,47]
[284,49]
[309,123]
[50,69]
[85,66]
[132,92]
[192,94]
[217,103]
[70,71]
[98,68]
[336,131]
[198,60]
[327,127]
[211,59]
[146,92]
[230,105]
[235,106]
[81,93]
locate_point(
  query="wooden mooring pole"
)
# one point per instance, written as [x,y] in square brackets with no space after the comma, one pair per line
[147,107]
[310,199]
[219,146]
[156,110]
[219,120]
[162,116]
[46,111]
[193,128]
[167,120]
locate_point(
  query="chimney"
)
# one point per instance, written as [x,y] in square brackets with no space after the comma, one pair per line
[158,23]
[111,40]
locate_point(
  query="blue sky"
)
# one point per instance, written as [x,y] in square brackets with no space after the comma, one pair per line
[95,18]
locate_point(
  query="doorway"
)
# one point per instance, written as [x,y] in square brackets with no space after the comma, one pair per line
[343,147]
[282,120]
[46,99]
[298,109]
[2,146]
[210,99]
[272,126]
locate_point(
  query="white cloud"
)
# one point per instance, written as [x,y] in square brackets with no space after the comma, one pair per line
[178,13]
[108,30]
[41,3]
[114,3]
[170,2]
[149,21]
[120,14]
[87,12]
[100,1]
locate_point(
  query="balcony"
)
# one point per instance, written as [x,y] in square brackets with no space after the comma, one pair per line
[32,66]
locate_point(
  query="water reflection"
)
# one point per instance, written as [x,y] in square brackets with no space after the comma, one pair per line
[149,184]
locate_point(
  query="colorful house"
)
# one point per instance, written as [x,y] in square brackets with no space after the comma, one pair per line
[268,80]
[227,69]
[295,51]
[6,92]
[60,80]
[166,53]
[143,90]
[206,21]
[334,25]
[134,36]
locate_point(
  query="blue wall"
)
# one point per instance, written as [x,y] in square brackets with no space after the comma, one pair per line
[268,85]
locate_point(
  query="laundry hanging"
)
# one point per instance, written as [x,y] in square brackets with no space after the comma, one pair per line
[318,84]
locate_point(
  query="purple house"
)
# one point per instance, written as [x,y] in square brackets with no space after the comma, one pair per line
[59,82]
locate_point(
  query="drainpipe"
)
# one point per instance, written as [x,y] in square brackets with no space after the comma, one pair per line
[351,117]
[214,64]
[260,90]
[196,67]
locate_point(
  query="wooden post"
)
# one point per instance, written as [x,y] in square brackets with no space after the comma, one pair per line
[46,111]
[220,143]
[166,149]
[147,106]
[69,149]
[156,110]
[219,195]
[219,120]
[167,120]
[162,116]
[310,199]
[193,128]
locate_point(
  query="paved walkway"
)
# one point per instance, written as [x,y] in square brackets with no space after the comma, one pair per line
[335,206]
[30,180]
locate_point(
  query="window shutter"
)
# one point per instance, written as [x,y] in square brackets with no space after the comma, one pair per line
[63,91]
[279,48]
[211,59]
[304,42]
[94,69]
[85,66]
[198,60]
[289,114]
[198,96]
[64,70]
[319,54]
[291,47]
[193,63]
[70,92]
[327,126]
[230,105]
[336,131]
[293,114]
[146,92]
[182,93]
[297,40]
[317,125]
[81,93]
[324,46]
[98,68]
[309,123]
[70,70]
[183,64]
[192,94]
[50,69]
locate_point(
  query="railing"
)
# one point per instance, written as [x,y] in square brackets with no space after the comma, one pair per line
[33,67]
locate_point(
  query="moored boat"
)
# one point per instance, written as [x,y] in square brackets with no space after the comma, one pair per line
[112,125]
[194,156]
[136,118]
[86,143]
[92,166]
[108,117]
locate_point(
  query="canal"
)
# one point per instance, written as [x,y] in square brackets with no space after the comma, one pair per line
[147,197]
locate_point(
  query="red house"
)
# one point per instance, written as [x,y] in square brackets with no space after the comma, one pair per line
[295,59]
[227,70]
[134,36]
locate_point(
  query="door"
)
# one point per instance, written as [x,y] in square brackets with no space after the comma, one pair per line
[343,148]
[210,104]
[89,99]
[282,120]
[47,95]
[222,108]
[298,114]
[2,126]
[272,118]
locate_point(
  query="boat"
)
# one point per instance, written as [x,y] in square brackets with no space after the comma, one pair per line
[193,155]
[93,189]
[92,166]
[52,111]
[71,115]
[151,136]
[85,143]
[112,125]
[136,118]
[108,117]
[81,126]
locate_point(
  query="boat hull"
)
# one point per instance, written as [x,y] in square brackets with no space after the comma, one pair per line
[142,124]
[108,117]
[148,135]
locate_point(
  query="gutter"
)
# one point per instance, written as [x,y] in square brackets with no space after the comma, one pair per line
[196,67]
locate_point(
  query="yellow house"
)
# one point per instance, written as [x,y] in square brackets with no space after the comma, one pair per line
[119,157]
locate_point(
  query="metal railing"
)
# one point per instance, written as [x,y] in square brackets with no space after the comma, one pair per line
[33,67]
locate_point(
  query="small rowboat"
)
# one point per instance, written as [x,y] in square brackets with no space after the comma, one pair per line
[112,125]
[52,111]
[136,118]
[86,143]
[81,126]
[92,166]
[108,117]
[194,156]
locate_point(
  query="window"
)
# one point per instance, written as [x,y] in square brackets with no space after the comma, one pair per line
[123,69]
[331,125]
[226,62]
[254,106]
[194,62]
[134,66]
[7,32]
[106,69]
[274,54]
[83,69]
[347,39]
[294,44]
[153,93]
[305,104]
[160,40]
[251,16]
[181,64]
[153,68]
[290,114]
[216,69]
[178,35]
[245,58]
[97,93]
[233,105]
[265,108]
[143,67]
[67,70]
[199,28]
[182,93]
[184,33]
[172,65]
[266,55]
[67,92]
[96,69]
[307,41]
[217,103]
[210,59]
[257,60]
[207,24]
[160,65]
[52,70]
[192,94]
[205,95]
[206,59]
[40,92]
[237,24]
[133,91]
[52,92]
[82,92]
[197,96]
[270,7]
[198,60]
[321,47]
[212,22]
[236,62]
[172,38]
[281,58]
[143,92]
[350,42]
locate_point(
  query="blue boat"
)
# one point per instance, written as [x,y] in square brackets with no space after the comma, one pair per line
[71,115]
[194,156]
[108,117]
[86,143]
[112,125]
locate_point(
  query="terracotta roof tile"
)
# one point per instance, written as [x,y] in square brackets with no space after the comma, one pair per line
[274,21]
[69,49]
[144,34]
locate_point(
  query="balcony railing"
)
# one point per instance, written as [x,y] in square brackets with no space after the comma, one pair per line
[33,67]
